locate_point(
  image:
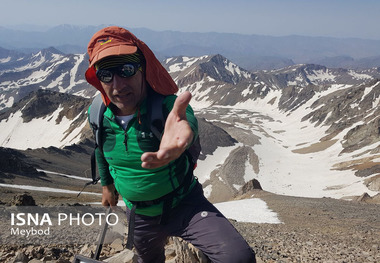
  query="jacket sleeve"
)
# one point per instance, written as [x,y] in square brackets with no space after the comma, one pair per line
[103,168]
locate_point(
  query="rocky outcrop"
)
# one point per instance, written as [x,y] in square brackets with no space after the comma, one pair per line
[14,162]
[42,103]
[362,135]
[229,178]
[178,251]
[349,108]
[374,183]
[23,200]
[363,198]
[212,137]
[250,186]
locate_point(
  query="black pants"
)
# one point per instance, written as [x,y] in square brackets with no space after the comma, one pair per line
[197,221]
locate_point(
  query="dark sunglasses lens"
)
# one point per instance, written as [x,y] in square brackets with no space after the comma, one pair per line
[127,70]
[104,75]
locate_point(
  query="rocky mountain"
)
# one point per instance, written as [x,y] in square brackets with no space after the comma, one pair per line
[254,52]
[337,110]
[50,69]
[45,118]
[303,130]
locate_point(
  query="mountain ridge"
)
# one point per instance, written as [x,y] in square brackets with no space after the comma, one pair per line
[332,112]
[254,52]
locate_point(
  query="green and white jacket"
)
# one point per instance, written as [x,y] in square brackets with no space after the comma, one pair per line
[120,162]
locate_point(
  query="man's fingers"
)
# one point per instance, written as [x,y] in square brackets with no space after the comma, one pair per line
[152,160]
[148,156]
[163,154]
[153,157]
[181,104]
[175,138]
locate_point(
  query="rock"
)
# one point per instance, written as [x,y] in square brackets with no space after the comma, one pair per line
[87,250]
[37,252]
[47,259]
[23,200]
[117,245]
[376,198]
[126,256]
[170,253]
[373,183]
[251,185]
[363,198]
[114,233]
[21,258]
[186,252]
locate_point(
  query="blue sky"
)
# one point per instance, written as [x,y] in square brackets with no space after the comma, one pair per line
[336,18]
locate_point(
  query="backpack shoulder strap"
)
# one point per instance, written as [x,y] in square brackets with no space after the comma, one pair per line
[97,110]
[155,114]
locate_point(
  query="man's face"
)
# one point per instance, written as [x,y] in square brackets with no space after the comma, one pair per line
[126,93]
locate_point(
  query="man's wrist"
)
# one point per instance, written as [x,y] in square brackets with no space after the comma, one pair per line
[110,187]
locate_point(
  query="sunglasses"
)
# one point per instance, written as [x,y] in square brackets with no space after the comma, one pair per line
[125,71]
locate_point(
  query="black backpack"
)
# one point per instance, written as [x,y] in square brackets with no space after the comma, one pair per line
[157,124]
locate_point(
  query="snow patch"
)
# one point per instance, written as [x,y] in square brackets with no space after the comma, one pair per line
[5,60]
[321,75]
[248,210]
[41,132]
[359,76]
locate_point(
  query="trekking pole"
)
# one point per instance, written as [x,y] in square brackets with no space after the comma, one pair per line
[102,235]
[94,259]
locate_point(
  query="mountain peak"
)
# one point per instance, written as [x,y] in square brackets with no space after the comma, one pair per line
[215,68]
[221,69]
[51,50]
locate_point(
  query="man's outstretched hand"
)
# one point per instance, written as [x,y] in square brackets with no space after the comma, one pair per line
[177,136]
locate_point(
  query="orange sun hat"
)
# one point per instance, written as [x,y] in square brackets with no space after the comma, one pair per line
[115,41]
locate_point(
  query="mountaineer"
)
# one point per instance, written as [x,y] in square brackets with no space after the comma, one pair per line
[153,173]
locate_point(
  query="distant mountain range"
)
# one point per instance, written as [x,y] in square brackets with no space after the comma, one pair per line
[303,130]
[252,52]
